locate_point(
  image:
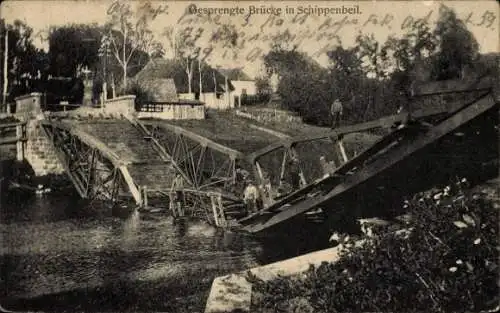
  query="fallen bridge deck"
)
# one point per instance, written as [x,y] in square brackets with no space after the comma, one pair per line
[383,156]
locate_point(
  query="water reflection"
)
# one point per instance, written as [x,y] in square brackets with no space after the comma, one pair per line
[130,229]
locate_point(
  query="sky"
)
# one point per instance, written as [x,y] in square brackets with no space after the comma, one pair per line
[315,26]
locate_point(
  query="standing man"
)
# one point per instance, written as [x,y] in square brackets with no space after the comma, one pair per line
[251,197]
[336,111]
[177,192]
[294,170]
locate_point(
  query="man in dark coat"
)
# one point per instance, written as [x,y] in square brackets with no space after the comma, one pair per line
[336,111]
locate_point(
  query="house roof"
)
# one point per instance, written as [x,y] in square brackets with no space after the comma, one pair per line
[159,89]
[235,74]
[160,68]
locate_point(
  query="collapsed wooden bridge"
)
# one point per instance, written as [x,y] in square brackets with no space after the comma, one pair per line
[124,158]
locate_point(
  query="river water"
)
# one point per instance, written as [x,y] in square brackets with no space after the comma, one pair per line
[59,253]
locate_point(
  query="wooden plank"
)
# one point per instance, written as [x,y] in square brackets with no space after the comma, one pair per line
[345,159]
[452,86]
[384,122]
[131,185]
[384,162]
[12,140]
[11,125]
[161,150]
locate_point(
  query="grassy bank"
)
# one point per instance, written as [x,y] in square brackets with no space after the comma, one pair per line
[230,130]
[449,262]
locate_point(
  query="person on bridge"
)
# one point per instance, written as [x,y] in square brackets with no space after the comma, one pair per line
[336,111]
[177,192]
[251,197]
[327,167]
[294,170]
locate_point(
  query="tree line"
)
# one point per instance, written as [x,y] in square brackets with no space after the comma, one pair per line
[371,78]
[374,79]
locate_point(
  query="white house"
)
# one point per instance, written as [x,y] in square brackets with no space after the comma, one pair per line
[242,83]
[216,90]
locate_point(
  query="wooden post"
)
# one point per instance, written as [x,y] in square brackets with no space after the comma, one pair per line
[171,204]
[19,143]
[283,165]
[301,173]
[5,68]
[222,216]
[214,210]
[233,167]
[145,196]
[342,151]
[259,172]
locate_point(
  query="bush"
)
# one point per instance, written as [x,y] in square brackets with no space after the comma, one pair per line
[142,96]
[448,262]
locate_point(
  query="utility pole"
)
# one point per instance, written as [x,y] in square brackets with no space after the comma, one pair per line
[5,68]
[215,83]
[103,52]
[201,85]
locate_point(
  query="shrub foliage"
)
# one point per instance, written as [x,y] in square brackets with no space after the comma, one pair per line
[447,262]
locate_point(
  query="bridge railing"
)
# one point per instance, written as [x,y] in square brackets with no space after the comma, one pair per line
[181,109]
[59,107]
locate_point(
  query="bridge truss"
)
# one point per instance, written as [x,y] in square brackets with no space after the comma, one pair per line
[95,170]
[211,168]
[455,104]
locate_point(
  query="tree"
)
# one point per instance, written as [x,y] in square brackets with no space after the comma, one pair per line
[457,47]
[348,81]
[405,61]
[369,52]
[303,83]
[188,52]
[282,61]
[263,86]
[129,36]
[189,45]
[24,61]
[73,47]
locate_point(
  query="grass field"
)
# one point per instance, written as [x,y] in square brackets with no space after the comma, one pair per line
[235,132]
[230,130]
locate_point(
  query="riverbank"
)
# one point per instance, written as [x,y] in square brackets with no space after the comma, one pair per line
[20,176]
[454,236]
[314,282]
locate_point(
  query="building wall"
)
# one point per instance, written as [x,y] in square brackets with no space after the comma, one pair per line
[176,112]
[29,104]
[225,102]
[239,85]
[120,105]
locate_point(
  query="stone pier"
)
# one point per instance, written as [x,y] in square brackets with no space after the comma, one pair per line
[37,150]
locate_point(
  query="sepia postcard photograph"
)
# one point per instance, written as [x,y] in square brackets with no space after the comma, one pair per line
[249,156]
